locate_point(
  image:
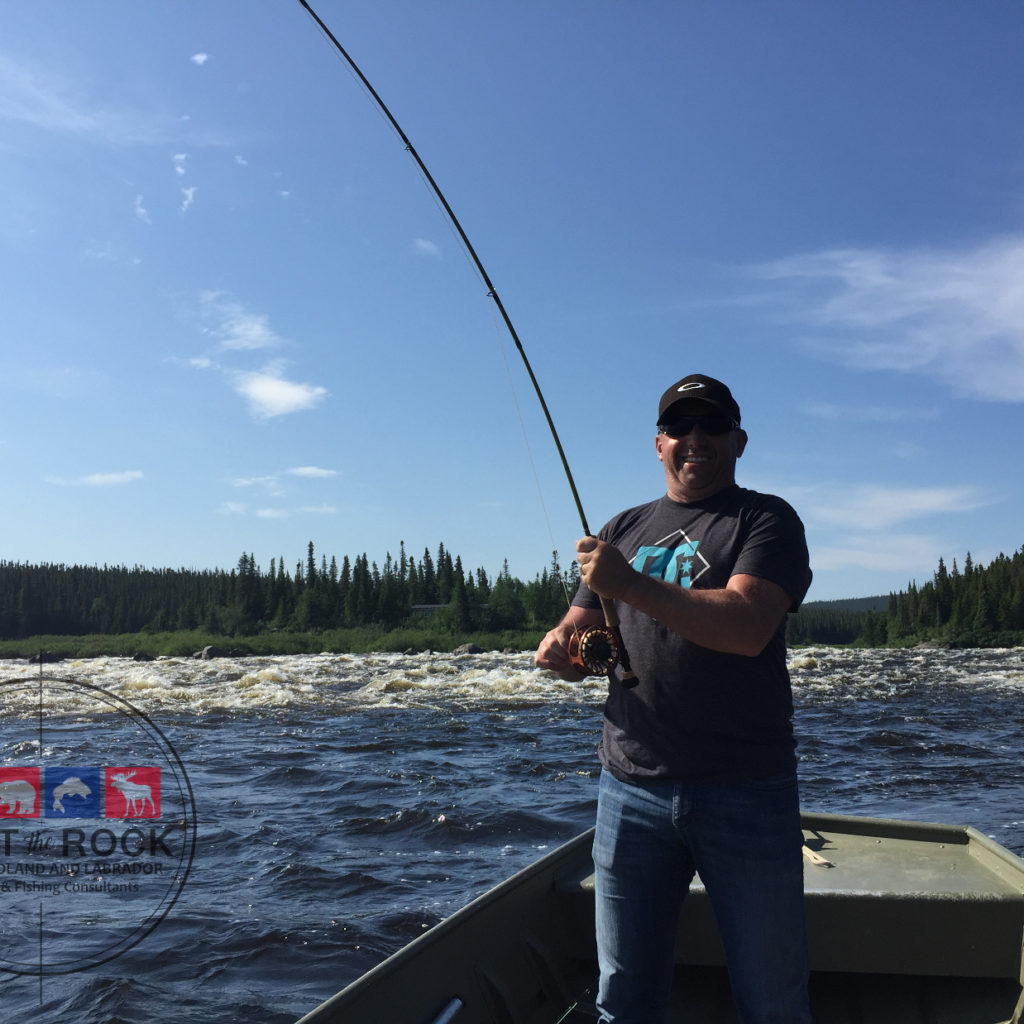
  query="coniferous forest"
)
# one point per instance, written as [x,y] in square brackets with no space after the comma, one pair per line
[977,606]
[433,599]
[312,596]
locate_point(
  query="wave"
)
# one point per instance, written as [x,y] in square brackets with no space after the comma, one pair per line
[401,682]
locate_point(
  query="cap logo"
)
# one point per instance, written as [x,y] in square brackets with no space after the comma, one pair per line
[693,385]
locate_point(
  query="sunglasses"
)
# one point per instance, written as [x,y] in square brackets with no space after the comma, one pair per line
[716,424]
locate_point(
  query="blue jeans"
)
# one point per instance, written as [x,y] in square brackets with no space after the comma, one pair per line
[744,839]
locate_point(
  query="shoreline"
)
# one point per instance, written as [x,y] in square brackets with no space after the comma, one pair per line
[52,649]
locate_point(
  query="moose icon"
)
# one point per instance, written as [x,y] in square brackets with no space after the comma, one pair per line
[136,795]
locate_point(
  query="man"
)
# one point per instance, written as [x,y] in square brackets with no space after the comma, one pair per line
[699,764]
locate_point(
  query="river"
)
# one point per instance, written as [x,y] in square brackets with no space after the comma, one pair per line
[332,807]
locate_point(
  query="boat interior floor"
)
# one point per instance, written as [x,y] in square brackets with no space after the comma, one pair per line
[700,995]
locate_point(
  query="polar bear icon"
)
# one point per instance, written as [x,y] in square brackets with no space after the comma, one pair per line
[18,795]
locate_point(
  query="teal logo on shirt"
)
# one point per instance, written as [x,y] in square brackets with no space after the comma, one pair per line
[671,564]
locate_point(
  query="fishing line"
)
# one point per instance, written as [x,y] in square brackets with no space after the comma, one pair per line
[597,649]
[533,464]
[498,334]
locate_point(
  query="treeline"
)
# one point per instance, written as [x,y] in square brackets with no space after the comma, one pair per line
[978,606]
[316,595]
[831,622]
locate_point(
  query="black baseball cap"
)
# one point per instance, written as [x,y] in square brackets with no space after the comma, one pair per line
[697,388]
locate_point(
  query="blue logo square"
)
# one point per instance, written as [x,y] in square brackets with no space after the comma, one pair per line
[73,792]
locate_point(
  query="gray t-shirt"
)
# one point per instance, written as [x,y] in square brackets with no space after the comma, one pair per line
[698,713]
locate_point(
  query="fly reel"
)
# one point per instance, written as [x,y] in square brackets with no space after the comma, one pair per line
[594,650]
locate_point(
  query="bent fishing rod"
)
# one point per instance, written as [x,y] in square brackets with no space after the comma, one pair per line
[596,649]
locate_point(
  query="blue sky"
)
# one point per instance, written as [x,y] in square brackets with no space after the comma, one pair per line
[235,320]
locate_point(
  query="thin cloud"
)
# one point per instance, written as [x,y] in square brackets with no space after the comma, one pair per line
[199,59]
[112,479]
[189,197]
[235,327]
[874,508]
[239,329]
[55,381]
[102,252]
[99,479]
[272,513]
[43,100]
[270,395]
[271,483]
[141,213]
[423,247]
[179,164]
[953,315]
[320,510]
[905,552]
[850,413]
[879,528]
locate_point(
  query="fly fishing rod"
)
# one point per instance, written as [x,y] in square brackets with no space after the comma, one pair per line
[596,649]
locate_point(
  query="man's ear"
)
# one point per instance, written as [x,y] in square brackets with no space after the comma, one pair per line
[741,441]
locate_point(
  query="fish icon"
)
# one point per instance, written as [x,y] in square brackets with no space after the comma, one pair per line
[71,786]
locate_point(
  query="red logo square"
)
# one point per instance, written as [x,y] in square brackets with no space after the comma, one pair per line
[19,792]
[132,792]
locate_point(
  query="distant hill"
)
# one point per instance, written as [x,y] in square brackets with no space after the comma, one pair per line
[850,604]
[833,622]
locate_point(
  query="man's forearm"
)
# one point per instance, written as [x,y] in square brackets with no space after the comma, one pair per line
[737,619]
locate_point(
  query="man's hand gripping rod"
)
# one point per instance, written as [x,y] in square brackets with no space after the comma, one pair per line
[596,650]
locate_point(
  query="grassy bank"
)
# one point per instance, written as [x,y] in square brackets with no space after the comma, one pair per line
[364,640]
